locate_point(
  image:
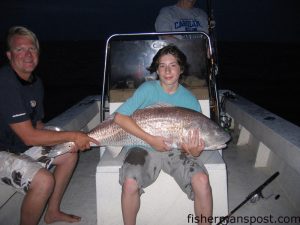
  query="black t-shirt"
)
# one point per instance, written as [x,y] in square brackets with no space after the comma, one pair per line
[20,100]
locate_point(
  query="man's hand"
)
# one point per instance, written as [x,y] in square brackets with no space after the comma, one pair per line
[193,145]
[82,141]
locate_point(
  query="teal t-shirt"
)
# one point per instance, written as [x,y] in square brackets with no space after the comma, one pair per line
[151,93]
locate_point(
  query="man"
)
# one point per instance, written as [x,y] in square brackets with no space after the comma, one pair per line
[21,113]
[181,17]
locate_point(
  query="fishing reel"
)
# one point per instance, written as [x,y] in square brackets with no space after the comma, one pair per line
[252,197]
[225,120]
[255,198]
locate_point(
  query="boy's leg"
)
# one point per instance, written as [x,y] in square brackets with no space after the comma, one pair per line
[202,197]
[130,201]
[191,175]
[140,169]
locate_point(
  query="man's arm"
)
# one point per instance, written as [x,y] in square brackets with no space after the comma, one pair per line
[40,125]
[32,136]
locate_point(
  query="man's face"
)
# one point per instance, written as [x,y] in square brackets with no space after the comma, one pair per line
[189,3]
[23,55]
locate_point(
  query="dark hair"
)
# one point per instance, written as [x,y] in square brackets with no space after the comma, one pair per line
[169,49]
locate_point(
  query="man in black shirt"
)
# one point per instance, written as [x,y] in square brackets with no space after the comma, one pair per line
[21,113]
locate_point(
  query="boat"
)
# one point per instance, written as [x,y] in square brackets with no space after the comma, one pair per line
[254,180]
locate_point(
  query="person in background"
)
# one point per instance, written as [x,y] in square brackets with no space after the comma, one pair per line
[142,166]
[181,17]
[21,126]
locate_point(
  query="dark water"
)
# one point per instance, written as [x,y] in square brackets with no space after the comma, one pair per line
[267,74]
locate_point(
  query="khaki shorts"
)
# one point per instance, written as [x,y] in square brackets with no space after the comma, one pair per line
[145,165]
[19,170]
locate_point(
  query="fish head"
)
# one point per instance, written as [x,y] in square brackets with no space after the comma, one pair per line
[215,138]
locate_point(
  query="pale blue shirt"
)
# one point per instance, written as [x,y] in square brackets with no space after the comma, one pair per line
[152,93]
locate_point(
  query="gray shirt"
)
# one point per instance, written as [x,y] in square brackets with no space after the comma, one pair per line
[174,18]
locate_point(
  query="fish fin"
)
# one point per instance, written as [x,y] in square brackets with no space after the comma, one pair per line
[50,151]
[126,147]
[114,150]
[34,151]
[215,147]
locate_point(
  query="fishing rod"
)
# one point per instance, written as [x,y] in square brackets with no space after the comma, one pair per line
[213,68]
[255,194]
[211,29]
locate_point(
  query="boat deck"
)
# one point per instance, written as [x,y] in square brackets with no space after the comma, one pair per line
[243,178]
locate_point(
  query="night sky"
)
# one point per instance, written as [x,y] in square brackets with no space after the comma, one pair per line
[237,20]
[258,45]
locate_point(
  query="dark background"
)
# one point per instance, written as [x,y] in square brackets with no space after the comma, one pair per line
[258,45]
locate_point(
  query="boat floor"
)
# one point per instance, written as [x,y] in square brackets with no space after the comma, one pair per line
[243,178]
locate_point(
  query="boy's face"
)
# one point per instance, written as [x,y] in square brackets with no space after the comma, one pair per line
[168,70]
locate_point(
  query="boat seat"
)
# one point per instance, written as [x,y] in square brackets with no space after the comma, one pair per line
[163,202]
